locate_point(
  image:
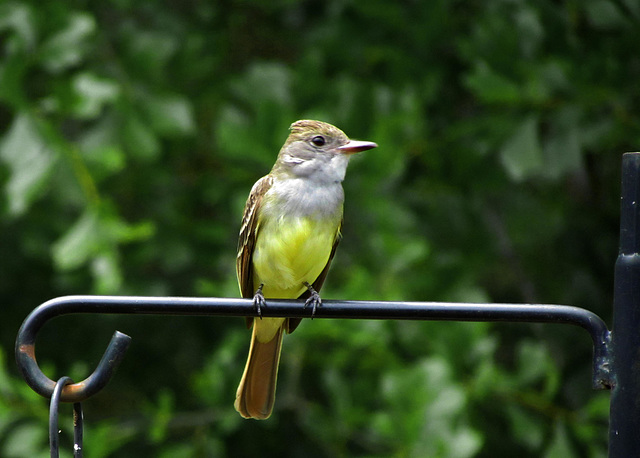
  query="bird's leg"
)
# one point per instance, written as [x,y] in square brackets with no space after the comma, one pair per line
[259,300]
[314,300]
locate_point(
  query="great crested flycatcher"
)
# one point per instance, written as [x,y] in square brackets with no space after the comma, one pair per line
[289,234]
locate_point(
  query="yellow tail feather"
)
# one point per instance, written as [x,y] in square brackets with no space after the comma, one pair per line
[257,390]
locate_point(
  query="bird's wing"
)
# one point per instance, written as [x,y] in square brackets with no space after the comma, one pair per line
[323,275]
[247,238]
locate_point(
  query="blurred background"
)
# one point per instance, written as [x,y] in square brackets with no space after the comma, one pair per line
[132,131]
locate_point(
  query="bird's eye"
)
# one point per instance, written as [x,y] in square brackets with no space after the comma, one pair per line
[318,140]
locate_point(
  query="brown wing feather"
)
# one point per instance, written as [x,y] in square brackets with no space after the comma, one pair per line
[323,275]
[247,238]
[293,323]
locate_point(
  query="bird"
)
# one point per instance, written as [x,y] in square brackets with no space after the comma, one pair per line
[290,230]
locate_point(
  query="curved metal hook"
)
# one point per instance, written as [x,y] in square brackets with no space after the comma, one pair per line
[43,385]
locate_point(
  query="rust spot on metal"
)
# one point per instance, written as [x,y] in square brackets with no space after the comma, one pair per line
[29,350]
[73,390]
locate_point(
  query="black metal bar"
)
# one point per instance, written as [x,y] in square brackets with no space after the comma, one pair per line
[78,426]
[443,311]
[54,438]
[624,425]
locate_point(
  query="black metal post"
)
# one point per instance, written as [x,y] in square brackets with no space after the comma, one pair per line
[624,427]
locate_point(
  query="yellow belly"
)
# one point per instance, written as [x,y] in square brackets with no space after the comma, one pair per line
[290,252]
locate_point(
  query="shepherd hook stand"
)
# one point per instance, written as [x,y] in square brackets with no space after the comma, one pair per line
[621,373]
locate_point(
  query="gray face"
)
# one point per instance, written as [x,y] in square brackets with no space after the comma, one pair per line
[312,151]
[317,151]
[324,163]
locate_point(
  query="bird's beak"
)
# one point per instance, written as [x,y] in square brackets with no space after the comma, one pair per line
[355,146]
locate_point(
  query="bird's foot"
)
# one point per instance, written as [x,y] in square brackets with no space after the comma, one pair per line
[314,301]
[259,301]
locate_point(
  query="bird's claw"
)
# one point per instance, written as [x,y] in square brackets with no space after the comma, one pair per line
[259,301]
[314,301]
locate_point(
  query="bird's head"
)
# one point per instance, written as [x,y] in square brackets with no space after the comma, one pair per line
[318,150]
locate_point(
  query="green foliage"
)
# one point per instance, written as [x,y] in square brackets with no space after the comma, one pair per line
[131,133]
[22,416]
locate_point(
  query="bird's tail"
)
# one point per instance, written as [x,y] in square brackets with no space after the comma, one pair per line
[257,390]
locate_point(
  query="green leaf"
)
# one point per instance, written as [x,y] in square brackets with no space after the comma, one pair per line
[265,81]
[605,14]
[170,114]
[560,446]
[426,387]
[29,160]
[122,232]
[563,148]
[161,415]
[139,139]
[525,427]
[235,139]
[68,47]
[18,17]
[106,437]
[491,87]
[79,243]
[533,361]
[106,271]
[530,30]
[93,92]
[521,155]
[151,50]
[12,70]
[26,440]
[100,147]
[95,238]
